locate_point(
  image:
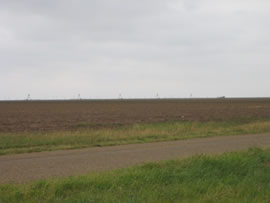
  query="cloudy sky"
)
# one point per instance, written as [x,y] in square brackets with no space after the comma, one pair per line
[100,48]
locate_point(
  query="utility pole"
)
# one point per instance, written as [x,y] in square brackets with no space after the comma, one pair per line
[120,96]
[28,97]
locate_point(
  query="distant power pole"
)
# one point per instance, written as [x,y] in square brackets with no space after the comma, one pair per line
[157,96]
[79,97]
[28,97]
[120,96]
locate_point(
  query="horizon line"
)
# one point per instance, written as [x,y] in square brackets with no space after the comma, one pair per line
[129,98]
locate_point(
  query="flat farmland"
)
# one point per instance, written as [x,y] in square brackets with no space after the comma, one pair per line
[54,140]
[21,116]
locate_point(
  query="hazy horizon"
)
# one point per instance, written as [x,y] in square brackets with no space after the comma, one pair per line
[100,49]
[76,98]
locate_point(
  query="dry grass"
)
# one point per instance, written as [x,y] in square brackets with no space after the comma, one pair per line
[138,133]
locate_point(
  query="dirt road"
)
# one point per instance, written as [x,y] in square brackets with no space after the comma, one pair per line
[34,166]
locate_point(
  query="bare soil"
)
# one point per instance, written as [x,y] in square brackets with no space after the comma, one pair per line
[35,166]
[68,115]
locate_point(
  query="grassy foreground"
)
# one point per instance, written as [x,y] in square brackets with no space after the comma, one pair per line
[232,177]
[138,133]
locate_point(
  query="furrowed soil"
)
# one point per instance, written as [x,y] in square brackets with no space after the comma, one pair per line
[19,116]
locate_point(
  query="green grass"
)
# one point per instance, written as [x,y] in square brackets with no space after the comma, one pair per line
[138,133]
[232,177]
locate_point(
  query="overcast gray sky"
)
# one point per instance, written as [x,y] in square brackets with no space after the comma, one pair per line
[101,48]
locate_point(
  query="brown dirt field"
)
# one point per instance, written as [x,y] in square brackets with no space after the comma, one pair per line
[63,115]
[34,166]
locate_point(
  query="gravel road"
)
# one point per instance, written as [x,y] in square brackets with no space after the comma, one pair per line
[35,166]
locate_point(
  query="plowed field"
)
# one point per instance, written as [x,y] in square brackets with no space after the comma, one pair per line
[61,115]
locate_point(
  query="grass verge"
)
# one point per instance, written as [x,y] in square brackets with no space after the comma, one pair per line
[138,133]
[232,177]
